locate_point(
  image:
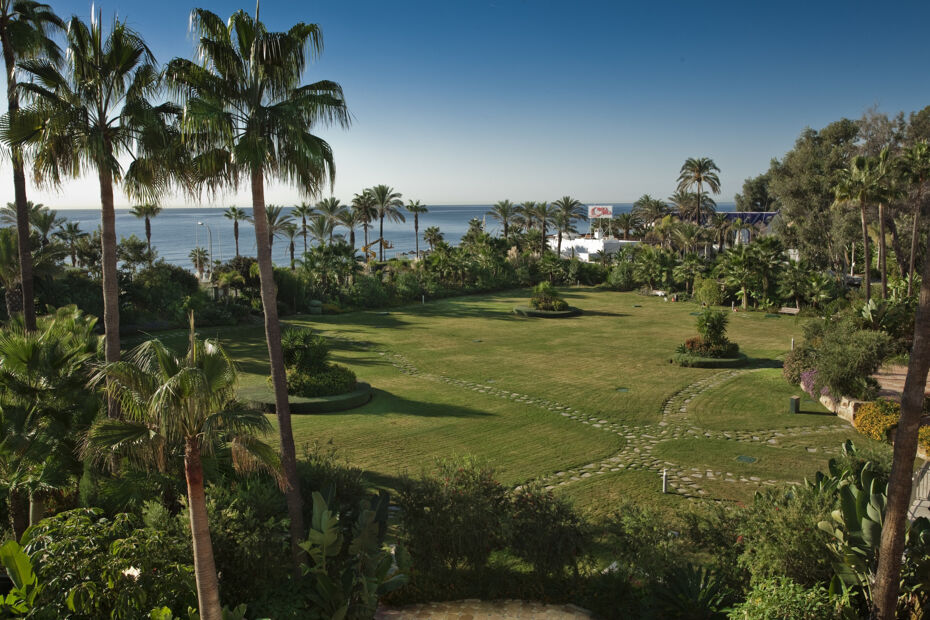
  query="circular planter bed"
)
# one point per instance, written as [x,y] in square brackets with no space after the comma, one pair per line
[546,314]
[694,361]
[320,404]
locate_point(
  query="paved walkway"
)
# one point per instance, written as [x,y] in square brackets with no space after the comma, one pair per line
[891,380]
[473,609]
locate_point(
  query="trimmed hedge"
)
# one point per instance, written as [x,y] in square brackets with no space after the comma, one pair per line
[322,404]
[695,361]
[546,314]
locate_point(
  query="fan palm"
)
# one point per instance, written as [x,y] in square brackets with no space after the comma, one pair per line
[737,271]
[277,223]
[25,29]
[415,207]
[626,222]
[720,226]
[8,213]
[147,212]
[246,114]
[331,209]
[541,214]
[886,191]
[507,214]
[690,267]
[649,210]
[914,169]
[567,210]
[688,236]
[320,229]
[181,405]
[44,221]
[70,234]
[387,205]
[44,262]
[303,211]
[699,171]
[199,258]
[857,185]
[364,205]
[236,215]
[432,236]
[291,232]
[350,218]
[92,114]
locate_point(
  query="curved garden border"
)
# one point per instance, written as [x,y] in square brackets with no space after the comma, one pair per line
[693,361]
[546,314]
[322,404]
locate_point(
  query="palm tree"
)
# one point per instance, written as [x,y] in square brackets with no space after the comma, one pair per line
[699,171]
[690,267]
[147,212]
[720,226]
[387,205]
[737,271]
[689,236]
[199,258]
[44,261]
[914,170]
[885,192]
[70,234]
[364,205]
[303,211]
[541,214]
[320,228]
[857,185]
[415,207]
[277,222]
[8,212]
[331,209]
[793,281]
[507,214]
[649,210]
[432,236]
[291,232]
[44,221]
[247,115]
[626,222]
[350,219]
[91,115]
[567,210]
[236,215]
[181,407]
[25,26]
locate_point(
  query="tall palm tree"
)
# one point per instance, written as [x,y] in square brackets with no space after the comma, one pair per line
[350,219]
[737,271]
[303,211]
[44,221]
[291,232]
[147,212]
[857,185]
[567,210]
[914,170]
[236,215]
[199,257]
[364,205]
[432,236]
[699,171]
[886,191]
[277,222]
[415,207]
[387,205]
[70,234]
[92,114]
[181,407]
[25,29]
[649,210]
[320,228]
[626,222]
[248,115]
[44,261]
[720,226]
[540,214]
[331,209]
[8,213]
[506,213]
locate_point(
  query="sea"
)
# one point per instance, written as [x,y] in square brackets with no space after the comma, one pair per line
[176,231]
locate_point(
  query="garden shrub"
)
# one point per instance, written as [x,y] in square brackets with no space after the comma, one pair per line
[704,348]
[545,297]
[712,342]
[369,292]
[778,598]
[846,357]
[329,381]
[303,350]
[621,277]
[707,291]
[712,325]
[923,438]
[798,360]
[407,286]
[876,418]
[546,531]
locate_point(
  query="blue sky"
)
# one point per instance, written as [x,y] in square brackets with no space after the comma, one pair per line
[461,102]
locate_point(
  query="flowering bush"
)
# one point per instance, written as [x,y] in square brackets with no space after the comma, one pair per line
[923,438]
[809,384]
[705,348]
[875,419]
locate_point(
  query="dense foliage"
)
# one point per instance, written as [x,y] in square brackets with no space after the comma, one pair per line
[309,374]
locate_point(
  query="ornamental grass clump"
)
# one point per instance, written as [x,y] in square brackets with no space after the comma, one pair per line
[712,341]
[546,298]
[309,373]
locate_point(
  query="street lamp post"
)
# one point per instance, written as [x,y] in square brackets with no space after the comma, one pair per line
[210,237]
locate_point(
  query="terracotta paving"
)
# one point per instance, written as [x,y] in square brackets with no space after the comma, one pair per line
[473,609]
[891,378]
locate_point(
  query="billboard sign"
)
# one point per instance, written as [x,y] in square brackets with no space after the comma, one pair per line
[600,211]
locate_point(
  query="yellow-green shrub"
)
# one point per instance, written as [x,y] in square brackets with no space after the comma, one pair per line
[876,418]
[923,438]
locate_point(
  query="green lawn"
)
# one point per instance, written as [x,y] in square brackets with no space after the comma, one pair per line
[611,363]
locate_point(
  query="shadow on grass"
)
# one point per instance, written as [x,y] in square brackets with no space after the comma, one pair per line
[602,313]
[762,362]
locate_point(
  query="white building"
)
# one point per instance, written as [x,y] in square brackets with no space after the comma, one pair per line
[586,247]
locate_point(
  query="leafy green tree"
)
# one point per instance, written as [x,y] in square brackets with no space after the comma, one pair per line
[387,205]
[567,210]
[416,208]
[756,195]
[690,267]
[793,281]
[507,214]
[44,262]
[181,405]
[304,210]
[25,34]
[133,252]
[432,236]
[92,114]
[699,171]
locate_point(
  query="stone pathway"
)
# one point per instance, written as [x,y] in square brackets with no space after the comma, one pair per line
[472,609]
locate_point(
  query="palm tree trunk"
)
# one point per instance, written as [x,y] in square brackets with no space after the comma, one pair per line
[365,226]
[896,247]
[278,379]
[542,244]
[303,224]
[148,232]
[381,243]
[913,257]
[867,259]
[208,591]
[881,250]
[36,508]
[416,234]
[902,466]
[110,283]
[18,512]
[236,235]
[352,238]
[559,245]
[19,191]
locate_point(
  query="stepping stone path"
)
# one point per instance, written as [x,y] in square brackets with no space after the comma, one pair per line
[639,441]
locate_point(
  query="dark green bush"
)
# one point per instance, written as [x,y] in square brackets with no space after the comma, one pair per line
[545,297]
[778,598]
[708,291]
[621,277]
[304,351]
[798,360]
[846,357]
[546,531]
[328,381]
[369,292]
[712,325]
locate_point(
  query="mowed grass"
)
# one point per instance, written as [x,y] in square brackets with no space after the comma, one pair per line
[755,401]
[611,362]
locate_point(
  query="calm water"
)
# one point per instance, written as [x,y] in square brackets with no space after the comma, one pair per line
[175,232]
